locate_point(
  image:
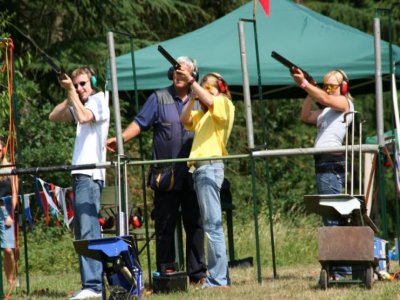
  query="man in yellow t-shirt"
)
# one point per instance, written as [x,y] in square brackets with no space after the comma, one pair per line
[212,126]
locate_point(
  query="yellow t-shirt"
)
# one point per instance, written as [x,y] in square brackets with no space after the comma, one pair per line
[212,129]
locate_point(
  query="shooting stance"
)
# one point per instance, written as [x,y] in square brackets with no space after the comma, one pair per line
[212,125]
[172,184]
[335,101]
[90,111]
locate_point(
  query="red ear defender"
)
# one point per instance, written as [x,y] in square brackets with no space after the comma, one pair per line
[4,151]
[221,85]
[344,87]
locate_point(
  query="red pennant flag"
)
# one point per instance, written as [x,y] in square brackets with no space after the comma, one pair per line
[46,207]
[69,203]
[265,6]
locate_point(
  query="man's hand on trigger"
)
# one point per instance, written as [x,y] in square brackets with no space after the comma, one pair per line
[66,82]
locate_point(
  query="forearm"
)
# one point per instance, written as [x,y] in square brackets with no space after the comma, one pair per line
[318,94]
[131,131]
[337,102]
[306,108]
[15,191]
[203,95]
[186,117]
[83,114]
[61,112]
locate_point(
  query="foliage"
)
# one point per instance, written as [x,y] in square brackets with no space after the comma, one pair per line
[360,13]
[50,250]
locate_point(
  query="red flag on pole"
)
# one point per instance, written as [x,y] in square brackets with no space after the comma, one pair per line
[265,6]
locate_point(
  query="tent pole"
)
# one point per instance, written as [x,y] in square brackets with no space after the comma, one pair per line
[122,200]
[142,167]
[250,137]
[379,122]
[246,86]
[266,161]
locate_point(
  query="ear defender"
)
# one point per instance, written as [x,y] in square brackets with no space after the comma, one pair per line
[221,82]
[4,151]
[187,60]
[93,81]
[170,74]
[221,85]
[93,78]
[344,85]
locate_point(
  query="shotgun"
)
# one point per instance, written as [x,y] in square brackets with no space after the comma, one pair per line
[168,56]
[291,65]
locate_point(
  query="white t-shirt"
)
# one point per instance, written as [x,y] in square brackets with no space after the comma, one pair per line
[331,127]
[90,140]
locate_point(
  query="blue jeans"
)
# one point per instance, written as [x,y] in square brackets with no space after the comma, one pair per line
[86,206]
[7,239]
[330,180]
[207,183]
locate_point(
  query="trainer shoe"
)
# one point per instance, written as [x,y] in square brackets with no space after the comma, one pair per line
[85,294]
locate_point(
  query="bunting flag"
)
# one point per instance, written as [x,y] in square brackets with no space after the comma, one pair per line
[46,207]
[37,194]
[265,6]
[28,210]
[70,196]
[50,187]
[60,196]
[53,209]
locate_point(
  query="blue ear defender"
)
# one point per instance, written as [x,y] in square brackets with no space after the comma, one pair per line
[93,81]
[93,78]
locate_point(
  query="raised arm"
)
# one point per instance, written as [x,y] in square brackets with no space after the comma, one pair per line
[337,102]
[308,115]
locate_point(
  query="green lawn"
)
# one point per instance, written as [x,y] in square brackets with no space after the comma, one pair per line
[54,272]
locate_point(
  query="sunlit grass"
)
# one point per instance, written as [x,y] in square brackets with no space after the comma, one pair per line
[54,273]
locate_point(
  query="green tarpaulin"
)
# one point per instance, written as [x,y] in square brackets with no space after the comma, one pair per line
[310,40]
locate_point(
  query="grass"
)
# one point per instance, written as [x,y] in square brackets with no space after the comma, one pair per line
[54,273]
[292,283]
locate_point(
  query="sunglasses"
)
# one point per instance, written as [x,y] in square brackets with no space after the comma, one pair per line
[82,84]
[330,87]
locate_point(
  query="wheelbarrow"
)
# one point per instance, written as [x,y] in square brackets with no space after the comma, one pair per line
[351,245]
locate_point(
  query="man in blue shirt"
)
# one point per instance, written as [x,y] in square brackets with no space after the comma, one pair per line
[161,112]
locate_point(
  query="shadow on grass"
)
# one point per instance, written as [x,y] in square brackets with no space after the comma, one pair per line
[45,293]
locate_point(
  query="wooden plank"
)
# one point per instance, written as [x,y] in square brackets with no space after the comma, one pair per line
[346,243]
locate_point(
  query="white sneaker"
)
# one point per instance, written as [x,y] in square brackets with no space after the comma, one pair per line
[85,294]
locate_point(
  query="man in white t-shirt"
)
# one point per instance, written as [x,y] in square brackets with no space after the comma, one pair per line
[89,110]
